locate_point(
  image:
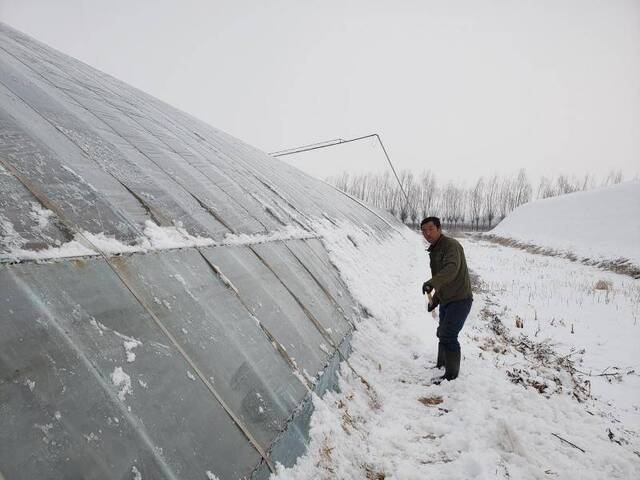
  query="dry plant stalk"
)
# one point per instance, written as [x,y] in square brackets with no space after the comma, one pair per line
[603,285]
[430,401]
[547,364]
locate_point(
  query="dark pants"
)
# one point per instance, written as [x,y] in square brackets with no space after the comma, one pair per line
[452,317]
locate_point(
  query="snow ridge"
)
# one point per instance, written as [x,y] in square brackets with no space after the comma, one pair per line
[599,224]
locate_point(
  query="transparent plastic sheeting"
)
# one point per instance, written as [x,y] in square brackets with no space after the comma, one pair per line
[110,158]
[167,364]
[19,211]
[304,287]
[268,299]
[288,447]
[73,406]
[215,329]
[91,386]
[315,259]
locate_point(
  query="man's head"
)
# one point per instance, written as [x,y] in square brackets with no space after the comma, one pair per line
[431,229]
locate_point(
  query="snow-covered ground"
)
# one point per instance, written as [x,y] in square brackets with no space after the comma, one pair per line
[599,224]
[523,394]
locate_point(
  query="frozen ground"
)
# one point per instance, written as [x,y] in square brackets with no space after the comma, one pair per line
[523,394]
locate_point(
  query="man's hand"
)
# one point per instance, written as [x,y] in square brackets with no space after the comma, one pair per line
[426,288]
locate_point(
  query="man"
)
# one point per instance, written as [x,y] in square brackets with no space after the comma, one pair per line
[450,280]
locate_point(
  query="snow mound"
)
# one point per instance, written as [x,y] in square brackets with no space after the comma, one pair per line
[601,224]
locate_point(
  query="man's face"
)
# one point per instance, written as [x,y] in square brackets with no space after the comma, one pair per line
[431,232]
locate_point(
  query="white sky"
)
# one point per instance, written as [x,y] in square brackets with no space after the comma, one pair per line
[466,87]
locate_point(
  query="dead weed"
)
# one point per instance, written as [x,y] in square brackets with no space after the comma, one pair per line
[430,401]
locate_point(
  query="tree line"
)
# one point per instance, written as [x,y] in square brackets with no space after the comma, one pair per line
[480,206]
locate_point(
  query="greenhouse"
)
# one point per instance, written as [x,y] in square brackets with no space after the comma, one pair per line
[168,304]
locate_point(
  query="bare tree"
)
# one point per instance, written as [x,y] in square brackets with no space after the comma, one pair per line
[428,193]
[546,188]
[340,181]
[415,200]
[521,190]
[491,199]
[588,182]
[452,204]
[476,202]
[483,203]
[459,204]
[386,194]
[404,194]
[566,185]
[614,177]
[505,197]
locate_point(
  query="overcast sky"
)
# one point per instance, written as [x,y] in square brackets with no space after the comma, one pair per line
[465,88]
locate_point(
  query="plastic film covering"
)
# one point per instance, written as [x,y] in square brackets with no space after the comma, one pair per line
[315,259]
[134,182]
[208,320]
[269,300]
[44,171]
[92,389]
[23,221]
[305,288]
[164,151]
[288,447]
[268,192]
[175,360]
[23,97]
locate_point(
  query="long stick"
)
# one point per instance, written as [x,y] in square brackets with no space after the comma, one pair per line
[567,441]
[433,312]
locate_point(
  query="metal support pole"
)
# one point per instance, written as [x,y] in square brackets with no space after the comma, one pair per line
[340,141]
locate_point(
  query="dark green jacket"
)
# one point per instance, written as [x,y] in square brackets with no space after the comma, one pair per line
[450,276]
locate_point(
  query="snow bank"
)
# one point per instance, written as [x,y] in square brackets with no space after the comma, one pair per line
[601,224]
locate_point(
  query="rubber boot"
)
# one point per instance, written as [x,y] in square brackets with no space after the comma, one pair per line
[451,365]
[440,361]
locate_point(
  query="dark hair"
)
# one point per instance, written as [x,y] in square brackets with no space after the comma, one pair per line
[434,220]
